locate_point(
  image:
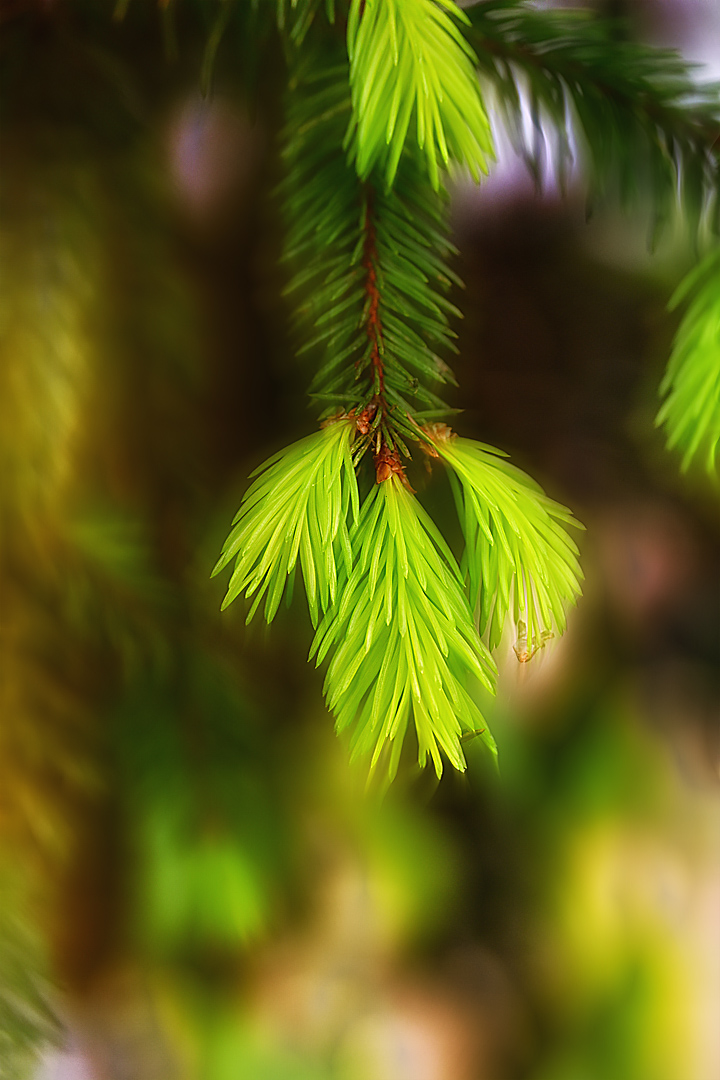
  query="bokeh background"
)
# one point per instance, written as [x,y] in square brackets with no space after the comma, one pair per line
[194,883]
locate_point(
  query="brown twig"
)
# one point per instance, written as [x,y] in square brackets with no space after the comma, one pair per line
[372,420]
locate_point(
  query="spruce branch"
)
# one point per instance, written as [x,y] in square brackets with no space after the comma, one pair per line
[402,639]
[408,58]
[646,126]
[369,281]
[690,413]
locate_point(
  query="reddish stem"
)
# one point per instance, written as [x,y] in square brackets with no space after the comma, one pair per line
[373,325]
[387,460]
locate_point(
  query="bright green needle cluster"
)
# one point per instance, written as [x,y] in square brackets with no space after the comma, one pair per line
[690,413]
[518,554]
[402,637]
[297,507]
[408,58]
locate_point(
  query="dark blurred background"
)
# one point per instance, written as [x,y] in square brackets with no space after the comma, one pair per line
[193,880]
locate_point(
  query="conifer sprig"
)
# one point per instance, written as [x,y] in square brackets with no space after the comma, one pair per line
[519,555]
[402,639]
[646,128]
[690,413]
[409,60]
[297,508]
[370,281]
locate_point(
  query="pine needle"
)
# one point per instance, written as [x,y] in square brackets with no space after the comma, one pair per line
[409,59]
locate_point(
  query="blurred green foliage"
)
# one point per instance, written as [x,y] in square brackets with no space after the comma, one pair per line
[181,836]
